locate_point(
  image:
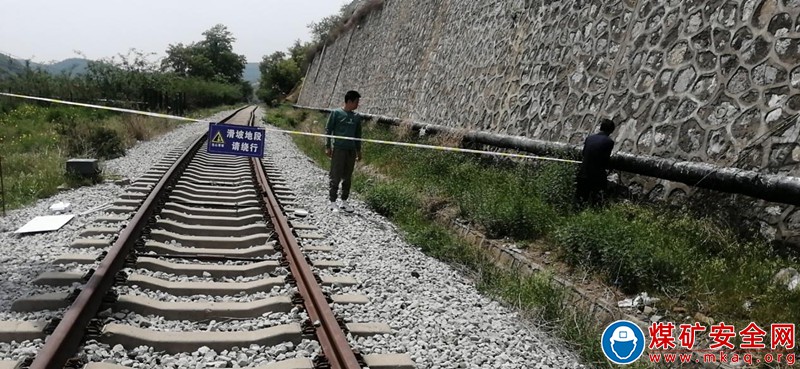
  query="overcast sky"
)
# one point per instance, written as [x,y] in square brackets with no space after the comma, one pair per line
[52,30]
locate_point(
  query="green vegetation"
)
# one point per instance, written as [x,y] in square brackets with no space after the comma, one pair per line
[36,138]
[328,29]
[282,73]
[212,60]
[201,75]
[693,264]
[36,141]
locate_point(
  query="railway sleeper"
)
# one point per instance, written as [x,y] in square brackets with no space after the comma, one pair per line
[227,212]
[204,288]
[212,270]
[121,209]
[133,202]
[302,226]
[112,219]
[220,196]
[178,342]
[374,361]
[212,186]
[257,226]
[215,192]
[204,220]
[220,160]
[242,242]
[217,166]
[230,180]
[80,259]
[19,331]
[91,243]
[100,231]
[168,249]
[202,175]
[213,204]
[136,191]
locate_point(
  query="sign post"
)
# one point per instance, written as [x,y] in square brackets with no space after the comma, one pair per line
[230,139]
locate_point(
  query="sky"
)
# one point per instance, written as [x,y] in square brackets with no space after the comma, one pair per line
[53,30]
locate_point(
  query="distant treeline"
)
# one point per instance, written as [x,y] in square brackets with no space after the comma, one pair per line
[199,75]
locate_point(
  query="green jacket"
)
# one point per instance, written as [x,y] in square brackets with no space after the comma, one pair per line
[342,123]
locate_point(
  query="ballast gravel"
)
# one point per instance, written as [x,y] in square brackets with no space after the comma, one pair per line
[145,357]
[158,323]
[206,277]
[24,257]
[438,318]
[286,290]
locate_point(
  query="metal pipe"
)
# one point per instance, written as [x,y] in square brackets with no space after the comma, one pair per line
[764,186]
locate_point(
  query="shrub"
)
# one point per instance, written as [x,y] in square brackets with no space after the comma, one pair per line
[390,198]
[635,249]
[86,139]
[554,183]
[106,143]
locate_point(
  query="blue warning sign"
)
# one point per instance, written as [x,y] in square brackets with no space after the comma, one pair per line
[230,139]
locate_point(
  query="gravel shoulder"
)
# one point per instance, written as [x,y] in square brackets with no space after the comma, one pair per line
[439,318]
[24,257]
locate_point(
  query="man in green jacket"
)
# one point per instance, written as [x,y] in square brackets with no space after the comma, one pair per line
[343,152]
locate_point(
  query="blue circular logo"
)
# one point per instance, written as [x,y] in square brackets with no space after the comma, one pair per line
[623,342]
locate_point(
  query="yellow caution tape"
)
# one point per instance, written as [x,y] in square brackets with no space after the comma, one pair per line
[396,143]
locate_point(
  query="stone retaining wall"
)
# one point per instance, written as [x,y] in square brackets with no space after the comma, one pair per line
[701,80]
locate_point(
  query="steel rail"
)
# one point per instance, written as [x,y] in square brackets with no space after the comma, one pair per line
[68,335]
[335,348]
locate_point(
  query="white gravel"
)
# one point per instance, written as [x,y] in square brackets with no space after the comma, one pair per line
[24,257]
[240,297]
[158,323]
[439,319]
[204,278]
[144,357]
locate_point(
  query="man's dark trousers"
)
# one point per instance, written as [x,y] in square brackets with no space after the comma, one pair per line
[591,189]
[342,163]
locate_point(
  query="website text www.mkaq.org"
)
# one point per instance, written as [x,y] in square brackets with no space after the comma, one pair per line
[708,356]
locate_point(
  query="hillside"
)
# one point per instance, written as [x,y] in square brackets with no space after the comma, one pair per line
[251,73]
[11,66]
[73,65]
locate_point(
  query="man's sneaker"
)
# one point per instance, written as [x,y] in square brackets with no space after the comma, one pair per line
[332,207]
[346,207]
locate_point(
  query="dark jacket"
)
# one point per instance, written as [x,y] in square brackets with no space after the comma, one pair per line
[343,124]
[596,154]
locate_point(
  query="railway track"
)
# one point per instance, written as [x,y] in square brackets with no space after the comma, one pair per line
[201,264]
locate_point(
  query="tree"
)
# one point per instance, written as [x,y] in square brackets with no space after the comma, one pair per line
[212,59]
[279,75]
[299,54]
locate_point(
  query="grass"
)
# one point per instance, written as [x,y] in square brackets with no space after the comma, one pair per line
[36,141]
[694,264]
